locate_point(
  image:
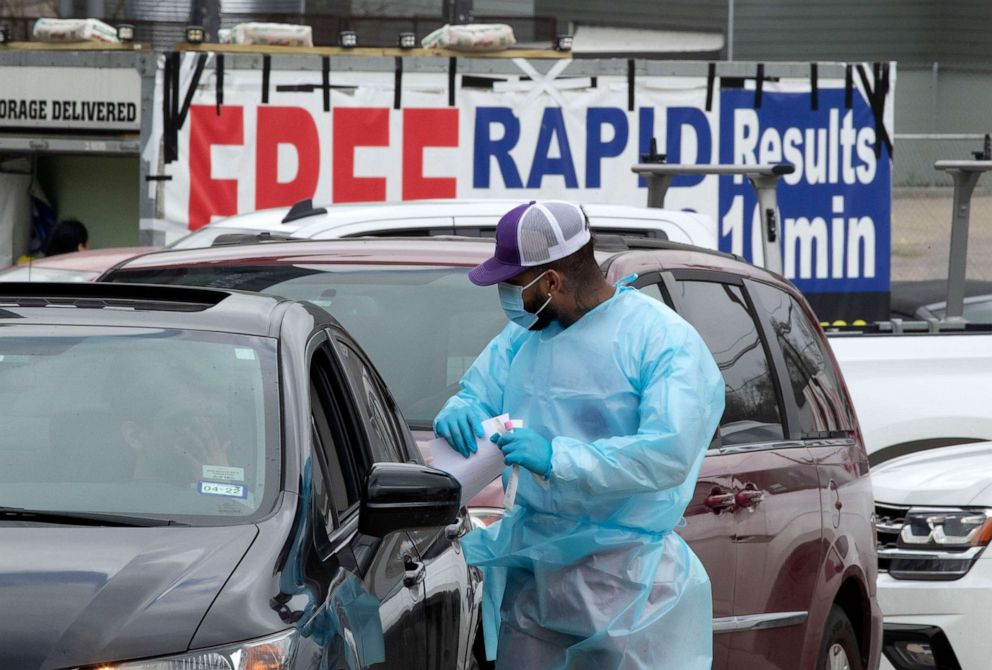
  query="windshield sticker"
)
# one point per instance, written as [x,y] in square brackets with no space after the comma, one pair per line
[223,489]
[223,473]
[244,354]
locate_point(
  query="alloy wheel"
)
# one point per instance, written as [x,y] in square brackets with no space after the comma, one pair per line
[837,657]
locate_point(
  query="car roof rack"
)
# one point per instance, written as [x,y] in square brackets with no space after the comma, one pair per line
[96,295]
[229,239]
[302,210]
[764,178]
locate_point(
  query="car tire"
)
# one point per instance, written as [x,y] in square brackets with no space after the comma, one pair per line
[839,650]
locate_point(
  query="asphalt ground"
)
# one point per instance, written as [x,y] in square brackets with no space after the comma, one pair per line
[921,234]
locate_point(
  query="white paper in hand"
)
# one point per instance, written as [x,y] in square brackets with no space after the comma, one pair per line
[482,467]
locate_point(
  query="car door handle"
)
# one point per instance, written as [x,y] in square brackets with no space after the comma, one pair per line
[455,530]
[717,501]
[414,573]
[749,496]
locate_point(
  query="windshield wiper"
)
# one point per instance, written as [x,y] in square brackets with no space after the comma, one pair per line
[85,518]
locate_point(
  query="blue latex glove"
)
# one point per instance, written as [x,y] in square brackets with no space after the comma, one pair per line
[460,425]
[523,446]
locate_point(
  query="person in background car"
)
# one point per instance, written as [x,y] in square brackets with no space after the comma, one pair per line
[67,236]
[619,399]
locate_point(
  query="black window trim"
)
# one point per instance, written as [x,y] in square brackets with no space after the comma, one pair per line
[322,341]
[783,375]
[664,282]
[778,359]
[787,410]
[340,338]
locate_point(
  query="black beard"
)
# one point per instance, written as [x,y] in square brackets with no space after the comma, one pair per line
[544,319]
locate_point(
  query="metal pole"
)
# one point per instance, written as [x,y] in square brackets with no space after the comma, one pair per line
[964,185]
[764,178]
[730,30]
[965,175]
[764,186]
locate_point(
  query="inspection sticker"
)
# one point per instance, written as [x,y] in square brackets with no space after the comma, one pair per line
[223,473]
[223,489]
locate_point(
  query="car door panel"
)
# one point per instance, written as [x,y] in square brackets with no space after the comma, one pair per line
[710,514]
[779,551]
[449,586]
[389,568]
[708,530]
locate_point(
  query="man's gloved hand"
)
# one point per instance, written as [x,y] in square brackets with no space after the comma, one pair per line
[460,425]
[523,446]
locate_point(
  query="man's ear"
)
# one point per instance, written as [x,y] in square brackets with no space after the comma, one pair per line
[556,281]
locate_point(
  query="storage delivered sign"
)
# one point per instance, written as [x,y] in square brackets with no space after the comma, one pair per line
[542,135]
[70,98]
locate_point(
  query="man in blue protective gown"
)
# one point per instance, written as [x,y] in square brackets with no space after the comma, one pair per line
[620,399]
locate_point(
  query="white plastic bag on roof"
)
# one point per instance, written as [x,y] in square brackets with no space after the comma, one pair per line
[272,34]
[74,30]
[471,37]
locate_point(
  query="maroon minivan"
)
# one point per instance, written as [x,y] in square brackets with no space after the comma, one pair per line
[782,514]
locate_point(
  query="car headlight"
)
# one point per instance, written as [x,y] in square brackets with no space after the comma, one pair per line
[946,528]
[936,543]
[271,653]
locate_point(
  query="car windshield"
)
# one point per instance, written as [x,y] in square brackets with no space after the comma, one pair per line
[978,310]
[422,326]
[35,273]
[137,422]
[207,236]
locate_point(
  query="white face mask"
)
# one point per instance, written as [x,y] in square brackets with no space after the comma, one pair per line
[511,298]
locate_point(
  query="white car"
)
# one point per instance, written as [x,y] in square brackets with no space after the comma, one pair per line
[934,520]
[439,217]
[917,391]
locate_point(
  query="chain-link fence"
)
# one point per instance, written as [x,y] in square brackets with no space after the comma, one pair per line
[922,201]
[941,113]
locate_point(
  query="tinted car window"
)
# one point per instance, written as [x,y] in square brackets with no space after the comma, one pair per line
[652,290]
[149,421]
[721,315]
[810,370]
[340,447]
[421,326]
[385,441]
[979,311]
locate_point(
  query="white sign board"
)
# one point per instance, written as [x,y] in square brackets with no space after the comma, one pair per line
[70,98]
[259,143]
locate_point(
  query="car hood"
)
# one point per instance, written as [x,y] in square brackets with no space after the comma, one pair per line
[958,475]
[78,595]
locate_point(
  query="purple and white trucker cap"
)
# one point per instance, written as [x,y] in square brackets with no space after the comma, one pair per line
[533,234]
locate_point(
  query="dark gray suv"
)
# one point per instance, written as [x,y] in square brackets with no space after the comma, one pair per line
[212,479]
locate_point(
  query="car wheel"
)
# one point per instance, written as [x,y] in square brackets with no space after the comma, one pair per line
[839,650]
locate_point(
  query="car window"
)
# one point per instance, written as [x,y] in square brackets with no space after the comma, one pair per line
[652,290]
[422,326]
[721,315]
[978,311]
[386,440]
[140,421]
[339,446]
[810,371]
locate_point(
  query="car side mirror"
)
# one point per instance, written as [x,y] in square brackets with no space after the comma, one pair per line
[401,496]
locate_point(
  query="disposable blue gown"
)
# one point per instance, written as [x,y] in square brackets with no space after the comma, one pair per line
[585,571]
